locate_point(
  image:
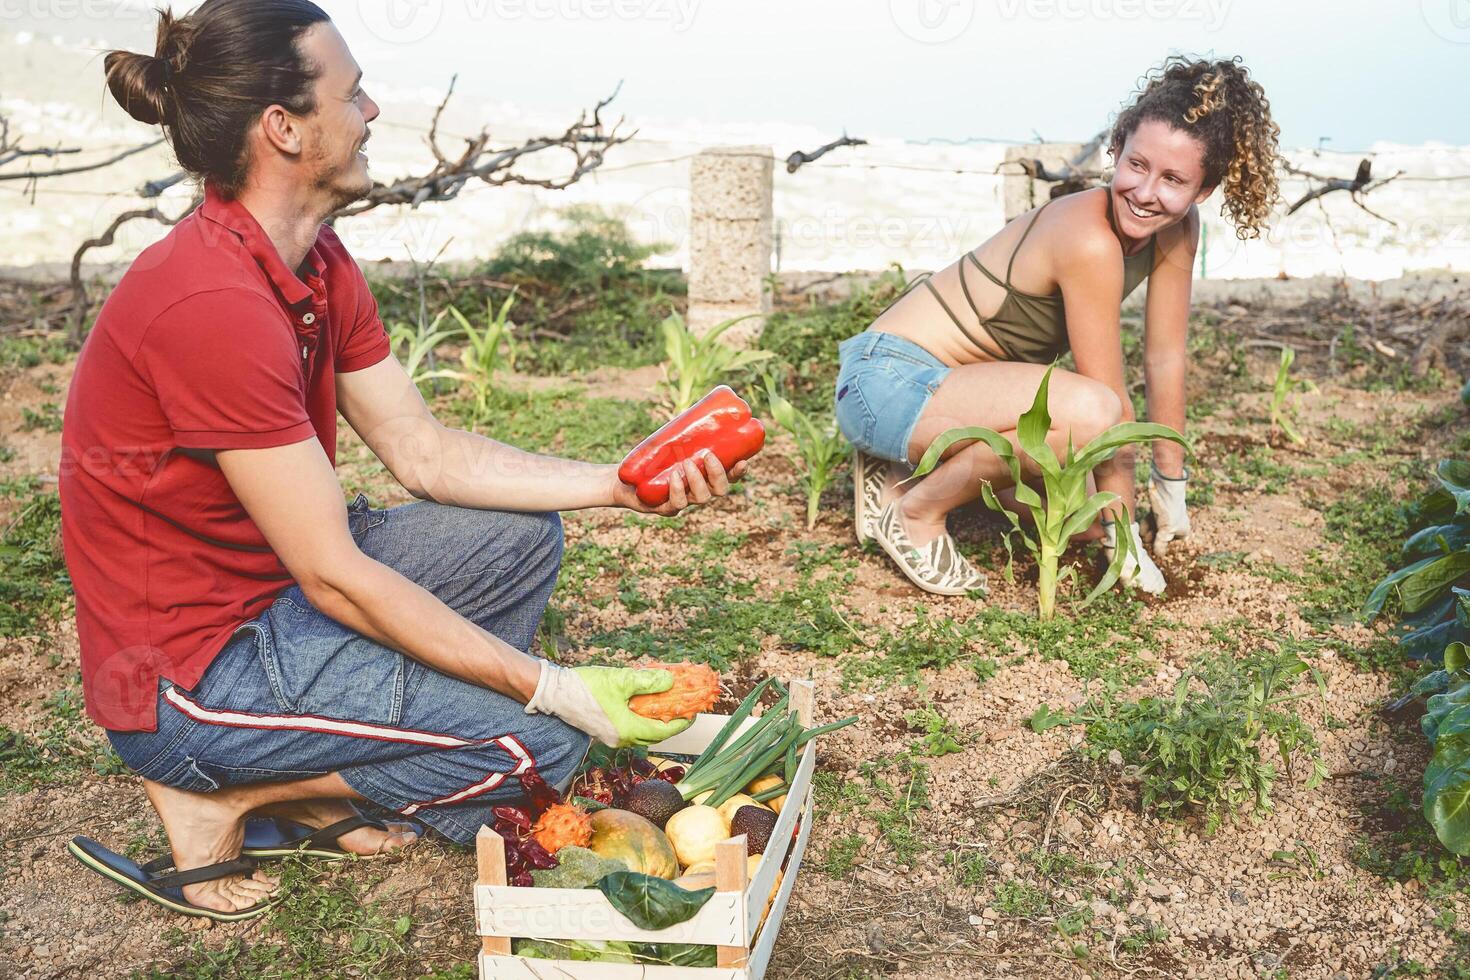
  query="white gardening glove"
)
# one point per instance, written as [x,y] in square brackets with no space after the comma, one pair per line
[595,700]
[1171,520]
[1139,569]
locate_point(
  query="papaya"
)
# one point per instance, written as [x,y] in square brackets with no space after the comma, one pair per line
[627,837]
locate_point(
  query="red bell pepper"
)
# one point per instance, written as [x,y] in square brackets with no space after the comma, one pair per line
[720,422]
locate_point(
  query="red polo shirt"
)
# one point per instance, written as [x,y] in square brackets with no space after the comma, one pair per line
[208,342]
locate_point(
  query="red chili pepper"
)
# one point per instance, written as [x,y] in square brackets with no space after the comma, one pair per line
[540,796]
[513,815]
[720,422]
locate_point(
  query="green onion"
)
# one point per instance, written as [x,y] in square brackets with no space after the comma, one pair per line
[733,723]
[742,775]
[711,756]
[770,794]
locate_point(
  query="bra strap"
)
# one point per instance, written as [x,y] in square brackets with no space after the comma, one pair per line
[1012,264]
[963,329]
[965,287]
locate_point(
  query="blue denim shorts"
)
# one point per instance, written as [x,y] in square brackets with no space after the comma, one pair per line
[883,385]
[295,694]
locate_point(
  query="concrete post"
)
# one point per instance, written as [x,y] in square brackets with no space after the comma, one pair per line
[1020,192]
[730,240]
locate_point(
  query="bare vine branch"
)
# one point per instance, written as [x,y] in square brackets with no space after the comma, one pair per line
[800,157]
[1361,184]
[586,139]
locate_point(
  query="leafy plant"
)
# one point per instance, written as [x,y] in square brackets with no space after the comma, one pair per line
[1281,391]
[1446,723]
[940,734]
[697,363]
[1065,509]
[1206,749]
[1432,588]
[487,351]
[821,444]
[415,345]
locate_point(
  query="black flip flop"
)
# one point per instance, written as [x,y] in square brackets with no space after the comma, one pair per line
[167,890]
[276,837]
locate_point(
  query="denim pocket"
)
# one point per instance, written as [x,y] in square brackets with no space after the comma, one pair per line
[187,775]
[317,666]
[361,517]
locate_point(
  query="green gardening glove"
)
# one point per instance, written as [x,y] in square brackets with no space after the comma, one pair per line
[595,700]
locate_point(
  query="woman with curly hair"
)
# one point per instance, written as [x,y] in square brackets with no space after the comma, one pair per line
[970,348]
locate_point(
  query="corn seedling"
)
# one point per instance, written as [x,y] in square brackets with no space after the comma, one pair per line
[821,444]
[415,347]
[1282,390]
[1065,509]
[486,351]
[698,363]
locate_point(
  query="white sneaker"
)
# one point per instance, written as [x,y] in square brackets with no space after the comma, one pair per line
[868,473]
[937,567]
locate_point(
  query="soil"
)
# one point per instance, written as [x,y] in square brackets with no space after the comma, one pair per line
[1243,901]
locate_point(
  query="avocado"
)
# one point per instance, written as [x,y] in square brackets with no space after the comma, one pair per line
[756,823]
[655,801]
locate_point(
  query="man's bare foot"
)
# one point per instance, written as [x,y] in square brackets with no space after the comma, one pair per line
[204,829]
[366,841]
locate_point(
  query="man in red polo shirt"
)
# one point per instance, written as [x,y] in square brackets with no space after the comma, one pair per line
[254,647]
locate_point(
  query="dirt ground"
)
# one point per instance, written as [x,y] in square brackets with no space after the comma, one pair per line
[999,859]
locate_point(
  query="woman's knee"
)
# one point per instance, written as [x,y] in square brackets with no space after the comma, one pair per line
[1088,408]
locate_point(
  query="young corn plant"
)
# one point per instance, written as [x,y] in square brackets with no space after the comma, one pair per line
[698,363]
[415,345]
[1065,509]
[486,351]
[822,446]
[1282,390]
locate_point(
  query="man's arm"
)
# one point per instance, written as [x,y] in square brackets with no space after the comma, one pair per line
[1166,323]
[292,494]
[451,466]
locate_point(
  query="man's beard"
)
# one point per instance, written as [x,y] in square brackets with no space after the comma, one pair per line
[342,185]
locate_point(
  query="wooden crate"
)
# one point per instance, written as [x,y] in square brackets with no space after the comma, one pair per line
[730,920]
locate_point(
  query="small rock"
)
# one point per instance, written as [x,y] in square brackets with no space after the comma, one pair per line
[1158,891]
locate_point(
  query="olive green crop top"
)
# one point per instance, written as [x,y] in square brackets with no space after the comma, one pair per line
[1028,327]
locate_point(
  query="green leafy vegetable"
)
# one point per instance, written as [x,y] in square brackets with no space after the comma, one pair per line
[652,903]
[1446,723]
[582,950]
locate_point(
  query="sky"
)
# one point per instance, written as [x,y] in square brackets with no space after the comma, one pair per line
[1351,72]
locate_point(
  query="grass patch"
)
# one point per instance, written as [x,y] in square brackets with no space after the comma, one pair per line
[47,418]
[321,929]
[584,297]
[724,618]
[68,748]
[561,422]
[1363,532]
[34,585]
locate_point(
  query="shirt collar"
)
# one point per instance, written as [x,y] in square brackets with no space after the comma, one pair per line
[233,215]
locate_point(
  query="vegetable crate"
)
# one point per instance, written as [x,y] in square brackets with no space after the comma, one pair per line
[733,920]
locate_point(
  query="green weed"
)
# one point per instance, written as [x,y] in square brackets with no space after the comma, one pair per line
[47,418]
[1207,751]
[34,585]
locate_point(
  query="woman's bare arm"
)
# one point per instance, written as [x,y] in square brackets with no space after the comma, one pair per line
[1166,323]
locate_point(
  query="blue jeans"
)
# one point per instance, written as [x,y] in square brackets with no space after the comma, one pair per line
[883,385]
[295,694]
